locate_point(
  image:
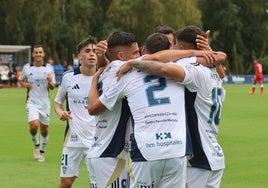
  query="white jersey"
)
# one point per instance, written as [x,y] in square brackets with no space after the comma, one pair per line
[204,97]
[158,109]
[74,90]
[38,95]
[112,131]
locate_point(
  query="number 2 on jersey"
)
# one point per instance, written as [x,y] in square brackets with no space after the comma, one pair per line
[156,87]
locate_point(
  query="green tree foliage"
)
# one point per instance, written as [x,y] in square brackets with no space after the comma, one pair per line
[238,27]
[141,17]
[10,22]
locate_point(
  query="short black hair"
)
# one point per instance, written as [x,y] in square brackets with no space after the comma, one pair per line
[121,38]
[188,34]
[156,42]
[166,30]
[38,46]
[86,42]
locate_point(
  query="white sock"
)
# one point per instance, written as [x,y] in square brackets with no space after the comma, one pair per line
[35,139]
[43,142]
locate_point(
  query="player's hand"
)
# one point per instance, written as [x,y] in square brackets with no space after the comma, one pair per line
[124,69]
[99,71]
[94,82]
[49,78]
[64,115]
[203,42]
[101,48]
[210,56]
[27,85]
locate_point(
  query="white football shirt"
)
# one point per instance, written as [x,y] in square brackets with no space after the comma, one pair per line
[74,91]
[158,109]
[112,131]
[38,95]
[204,97]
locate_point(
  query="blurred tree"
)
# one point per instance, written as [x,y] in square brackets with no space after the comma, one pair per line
[238,25]
[11,22]
[141,17]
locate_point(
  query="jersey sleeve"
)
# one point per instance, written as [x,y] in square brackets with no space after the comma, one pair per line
[62,91]
[191,73]
[114,93]
[23,72]
[52,73]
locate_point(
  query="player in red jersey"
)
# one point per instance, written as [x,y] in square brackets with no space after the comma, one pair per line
[258,78]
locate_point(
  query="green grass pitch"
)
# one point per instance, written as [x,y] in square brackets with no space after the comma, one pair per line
[243,136]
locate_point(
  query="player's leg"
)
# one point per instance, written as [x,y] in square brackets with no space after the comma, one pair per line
[253,87]
[43,141]
[91,173]
[109,172]
[44,122]
[33,119]
[261,86]
[71,161]
[146,173]
[214,179]
[122,181]
[197,177]
[262,89]
[159,173]
[174,173]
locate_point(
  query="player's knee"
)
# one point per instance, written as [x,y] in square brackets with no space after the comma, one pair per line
[44,130]
[34,125]
[66,182]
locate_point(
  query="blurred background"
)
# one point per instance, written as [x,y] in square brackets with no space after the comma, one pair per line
[238,27]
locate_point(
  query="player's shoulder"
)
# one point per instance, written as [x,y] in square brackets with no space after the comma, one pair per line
[186,60]
[48,66]
[27,65]
[116,64]
[68,73]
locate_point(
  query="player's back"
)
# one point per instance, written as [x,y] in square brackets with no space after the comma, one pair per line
[204,97]
[158,109]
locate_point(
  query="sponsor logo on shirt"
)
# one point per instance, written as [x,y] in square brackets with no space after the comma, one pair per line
[83,101]
[102,124]
[145,184]
[73,138]
[76,86]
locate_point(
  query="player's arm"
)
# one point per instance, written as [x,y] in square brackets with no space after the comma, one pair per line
[172,71]
[23,80]
[212,58]
[51,85]
[94,104]
[101,49]
[220,58]
[203,44]
[220,70]
[25,84]
[61,113]
[173,55]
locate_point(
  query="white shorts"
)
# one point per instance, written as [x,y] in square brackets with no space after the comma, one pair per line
[159,173]
[198,177]
[43,114]
[109,172]
[71,161]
